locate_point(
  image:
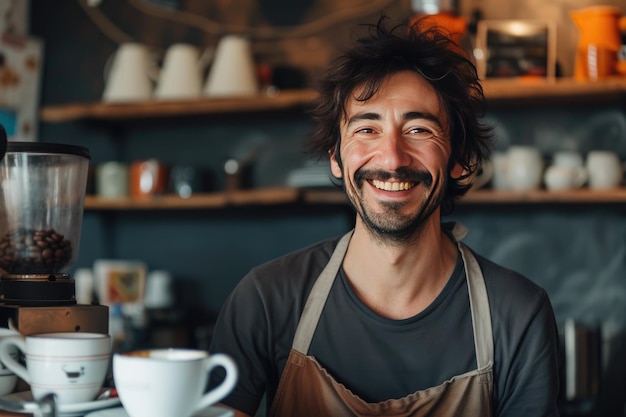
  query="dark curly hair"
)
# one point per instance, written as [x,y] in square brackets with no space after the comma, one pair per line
[427,51]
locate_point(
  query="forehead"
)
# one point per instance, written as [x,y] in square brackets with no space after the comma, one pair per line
[404,90]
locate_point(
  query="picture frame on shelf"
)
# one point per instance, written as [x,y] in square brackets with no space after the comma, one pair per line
[516,48]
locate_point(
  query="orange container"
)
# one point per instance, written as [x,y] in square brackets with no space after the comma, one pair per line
[599,41]
[148,178]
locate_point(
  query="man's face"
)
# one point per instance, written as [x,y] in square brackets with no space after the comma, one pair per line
[395,149]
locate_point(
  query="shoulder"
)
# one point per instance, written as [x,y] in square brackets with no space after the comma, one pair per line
[510,290]
[288,279]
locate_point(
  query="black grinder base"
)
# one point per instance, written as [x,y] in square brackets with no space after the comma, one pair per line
[37,289]
[46,303]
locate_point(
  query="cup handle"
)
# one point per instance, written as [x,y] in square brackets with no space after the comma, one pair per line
[11,363]
[222,390]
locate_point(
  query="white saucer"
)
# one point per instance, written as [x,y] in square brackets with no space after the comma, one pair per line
[64,410]
[120,412]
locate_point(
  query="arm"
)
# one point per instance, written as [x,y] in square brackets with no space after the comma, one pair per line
[241,333]
[527,373]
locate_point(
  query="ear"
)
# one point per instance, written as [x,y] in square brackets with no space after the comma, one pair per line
[335,168]
[456,171]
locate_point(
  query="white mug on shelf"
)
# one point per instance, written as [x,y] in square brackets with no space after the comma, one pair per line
[605,168]
[233,71]
[181,76]
[130,75]
[525,168]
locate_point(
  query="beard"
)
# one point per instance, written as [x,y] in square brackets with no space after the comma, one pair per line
[390,222]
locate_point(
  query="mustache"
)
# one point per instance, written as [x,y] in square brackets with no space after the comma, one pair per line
[401,174]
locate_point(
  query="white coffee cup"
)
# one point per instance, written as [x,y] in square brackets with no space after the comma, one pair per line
[181,76]
[169,382]
[112,179]
[233,72]
[605,169]
[500,163]
[525,168]
[8,379]
[130,75]
[71,365]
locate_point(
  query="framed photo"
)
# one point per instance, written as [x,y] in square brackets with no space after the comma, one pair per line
[120,281]
[516,48]
[20,77]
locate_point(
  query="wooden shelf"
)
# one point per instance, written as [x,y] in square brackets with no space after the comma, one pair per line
[495,90]
[171,108]
[288,195]
[542,196]
[562,89]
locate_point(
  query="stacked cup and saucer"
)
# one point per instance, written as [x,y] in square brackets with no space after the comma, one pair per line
[64,370]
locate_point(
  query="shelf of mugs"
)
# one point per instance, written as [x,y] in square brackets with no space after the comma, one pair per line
[495,90]
[292,195]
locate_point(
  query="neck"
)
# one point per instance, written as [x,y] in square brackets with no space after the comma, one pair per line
[400,280]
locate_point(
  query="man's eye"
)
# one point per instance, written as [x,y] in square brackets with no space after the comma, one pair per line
[365,130]
[418,130]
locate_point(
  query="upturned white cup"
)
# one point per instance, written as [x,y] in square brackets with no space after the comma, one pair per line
[525,168]
[130,75]
[233,71]
[169,382]
[181,76]
[605,169]
[568,159]
[71,365]
[8,379]
[564,177]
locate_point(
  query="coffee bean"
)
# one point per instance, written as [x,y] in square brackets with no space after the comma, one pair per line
[34,251]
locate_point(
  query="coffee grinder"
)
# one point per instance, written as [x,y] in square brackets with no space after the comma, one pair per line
[42,197]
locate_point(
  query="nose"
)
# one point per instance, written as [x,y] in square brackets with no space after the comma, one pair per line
[394,152]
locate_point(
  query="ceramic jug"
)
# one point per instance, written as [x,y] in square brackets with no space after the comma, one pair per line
[233,71]
[599,41]
[130,73]
[181,76]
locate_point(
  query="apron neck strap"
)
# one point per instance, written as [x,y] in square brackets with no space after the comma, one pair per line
[317,298]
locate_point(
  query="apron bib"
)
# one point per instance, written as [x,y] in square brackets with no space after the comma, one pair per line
[307,389]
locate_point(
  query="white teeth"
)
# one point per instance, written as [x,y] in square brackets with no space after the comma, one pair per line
[392,186]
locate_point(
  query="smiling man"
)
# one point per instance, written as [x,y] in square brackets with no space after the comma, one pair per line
[397,317]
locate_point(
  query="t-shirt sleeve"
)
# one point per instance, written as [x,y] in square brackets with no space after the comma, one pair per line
[241,332]
[531,383]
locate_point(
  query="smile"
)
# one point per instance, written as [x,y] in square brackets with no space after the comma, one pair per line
[392,186]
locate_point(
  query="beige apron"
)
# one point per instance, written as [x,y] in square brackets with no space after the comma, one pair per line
[306,389]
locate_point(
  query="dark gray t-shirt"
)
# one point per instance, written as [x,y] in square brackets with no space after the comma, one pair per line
[379,358]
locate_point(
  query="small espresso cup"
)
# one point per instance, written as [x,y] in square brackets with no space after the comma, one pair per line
[70,365]
[169,382]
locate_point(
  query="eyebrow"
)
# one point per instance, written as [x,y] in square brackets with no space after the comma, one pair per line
[412,115]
